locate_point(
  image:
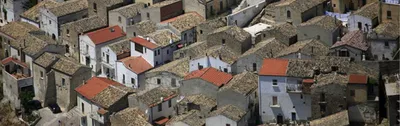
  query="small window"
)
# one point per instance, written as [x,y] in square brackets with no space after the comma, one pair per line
[49,21]
[201,31]
[322,97]
[288,14]
[228,125]
[160,107]
[167,51]
[123,78]
[41,74]
[226,70]
[274,100]
[334,68]
[169,104]
[158,81]
[132,80]
[254,67]
[334,5]
[148,15]
[274,82]
[386,44]
[62,81]
[264,35]
[389,14]
[223,41]
[359,24]
[83,108]
[67,31]
[352,93]
[173,82]
[119,19]
[158,51]
[95,7]
[134,33]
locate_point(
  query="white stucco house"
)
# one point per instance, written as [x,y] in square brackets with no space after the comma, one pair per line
[228,115]
[111,54]
[281,95]
[209,61]
[365,18]
[92,42]
[10,10]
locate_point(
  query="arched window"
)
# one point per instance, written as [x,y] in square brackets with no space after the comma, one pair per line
[67,48]
[53,37]
[288,14]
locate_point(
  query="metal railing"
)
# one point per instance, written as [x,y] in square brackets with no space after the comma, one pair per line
[294,87]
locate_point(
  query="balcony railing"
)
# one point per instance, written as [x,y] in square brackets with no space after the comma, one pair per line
[294,88]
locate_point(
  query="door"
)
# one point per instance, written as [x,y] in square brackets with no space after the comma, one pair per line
[279,119]
[293,116]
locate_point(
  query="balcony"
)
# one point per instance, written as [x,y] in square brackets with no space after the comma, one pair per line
[97,117]
[294,88]
[392,1]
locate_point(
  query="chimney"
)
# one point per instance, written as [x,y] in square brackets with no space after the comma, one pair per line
[112,29]
[363,57]
[161,99]
[299,55]
[147,38]
[312,49]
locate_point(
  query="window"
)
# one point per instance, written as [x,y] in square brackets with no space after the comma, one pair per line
[388,14]
[134,33]
[83,108]
[185,37]
[66,48]
[235,22]
[132,80]
[359,24]
[254,67]
[158,51]
[68,32]
[334,5]
[158,81]
[318,37]
[343,53]
[274,82]
[274,100]
[169,104]
[201,31]
[49,21]
[123,78]
[322,97]
[352,93]
[95,7]
[160,107]
[145,50]
[334,68]
[87,48]
[119,19]
[173,82]
[386,44]
[62,81]
[138,48]
[148,15]
[228,125]
[223,41]
[41,74]
[19,53]
[226,70]
[132,21]
[108,58]
[288,15]
[167,51]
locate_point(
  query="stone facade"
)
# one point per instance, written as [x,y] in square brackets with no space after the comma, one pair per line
[327,99]
[230,40]
[198,86]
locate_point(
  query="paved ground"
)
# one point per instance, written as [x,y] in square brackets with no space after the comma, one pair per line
[71,118]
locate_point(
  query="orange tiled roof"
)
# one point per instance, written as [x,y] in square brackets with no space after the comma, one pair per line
[94,86]
[211,75]
[136,63]
[358,79]
[309,81]
[144,42]
[106,34]
[274,67]
[16,61]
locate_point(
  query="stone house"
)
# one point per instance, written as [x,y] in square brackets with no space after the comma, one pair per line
[306,49]
[383,40]
[130,71]
[255,31]
[209,8]
[32,15]
[158,104]
[191,51]
[252,59]
[20,29]
[284,32]
[389,10]
[167,43]
[339,118]
[149,2]
[228,115]
[328,95]
[324,28]
[353,45]
[198,102]
[357,89]
[111,54]
[168,75]
[209,26]
[102,7]
[161,11]
[219,57]
[241,92]
[392,102]
[365,18]
[233,37]
[183,26]
[206,81]
[344,6]
[98,98]
[67,76]
[283,90]
[52,18]
[16,79]
[295,11]
[130,117]
[71,33]
[141,28]
[191,118]
[91,43]
[125,16]
[11,10]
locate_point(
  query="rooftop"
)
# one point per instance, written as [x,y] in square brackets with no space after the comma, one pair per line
[337,119]
[191,118]
[178,67]
[85,25]
[331,78]
[369,11]
[392,89]
[106,34]
[358,79]
[326,22]
[214,23]
[185,21]
[200,99]
[300,5]
[131,117]
[211,75]
[67,65]
[243,83]
[121,46]
[221,52]
[144,42]
[145,26]
[266,49]
[230,111]
[353,39]
[163,37]
[14,60]
[153,97]
[19,29]
[94,86]
[388,29]
[308,47]
[130,10]
[164,3]
[255,29]
[236,32]
[47,59]
[136,63]
[33,13]
[68,7]
[274,67]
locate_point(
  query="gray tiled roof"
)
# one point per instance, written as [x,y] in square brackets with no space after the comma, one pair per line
[186,21]
[191,118]
[17,29]
[146,26]
[111,95]
[67,65]
[300,68]
[163,3]
[222,52]
[130,117]
[300,5]
[355,39]
[214,23]
[152,97]
[163,37]
[243,83]
[266,49]
[87,24]
[331,78]
[309,47]
[69,7]
[230,111]
[47,59]
[337,119]
[121,46]
[178,67]
[130,10]
[389,29]
[200,99]
[326,22]
[369,11]
[236,32]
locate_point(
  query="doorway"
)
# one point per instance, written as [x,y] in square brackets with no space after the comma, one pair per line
[279,119]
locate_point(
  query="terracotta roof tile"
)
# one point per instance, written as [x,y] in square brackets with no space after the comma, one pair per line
[211,75]
[136,64]
[274,67]
[354,39]
[94,86]
[106,34]
[358,79]
[14,60]
[144,42]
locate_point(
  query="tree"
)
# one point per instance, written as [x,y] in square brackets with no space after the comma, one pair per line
[29,4]
[25,97]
